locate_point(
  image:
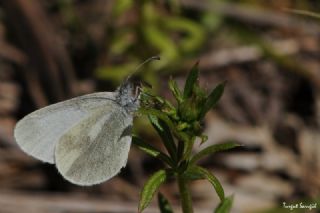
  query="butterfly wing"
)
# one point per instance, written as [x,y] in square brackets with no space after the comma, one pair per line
[97,148]
[38,133]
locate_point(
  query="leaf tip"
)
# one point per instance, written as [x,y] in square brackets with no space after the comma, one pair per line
[236,145]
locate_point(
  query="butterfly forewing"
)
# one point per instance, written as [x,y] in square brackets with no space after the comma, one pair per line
[38,133]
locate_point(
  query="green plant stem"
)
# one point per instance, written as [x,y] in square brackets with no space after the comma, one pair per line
[185,196]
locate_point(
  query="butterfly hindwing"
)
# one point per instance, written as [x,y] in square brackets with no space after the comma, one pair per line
[96,148]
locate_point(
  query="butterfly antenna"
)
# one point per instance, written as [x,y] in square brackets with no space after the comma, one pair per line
[143,63]
[138,67]
[146,61]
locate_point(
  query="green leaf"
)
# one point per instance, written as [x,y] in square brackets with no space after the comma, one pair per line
[191,80]
[162,116]
[150,188]
[191,174]
[182,126]
[212,149]
[164,132]
[200,172]
[155,122]
[212,99]
[150,150]
[203,138]
[175,90]
[164,204]
[158,114]
[180,149]
[187,149]
[225,205]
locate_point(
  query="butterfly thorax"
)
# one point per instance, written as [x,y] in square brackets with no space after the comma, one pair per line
[128,96]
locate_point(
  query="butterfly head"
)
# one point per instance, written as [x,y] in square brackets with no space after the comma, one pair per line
[128,93]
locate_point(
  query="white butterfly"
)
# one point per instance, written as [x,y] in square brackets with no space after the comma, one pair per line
[87,137]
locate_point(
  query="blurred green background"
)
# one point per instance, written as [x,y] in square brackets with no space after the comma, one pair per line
[267,51]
